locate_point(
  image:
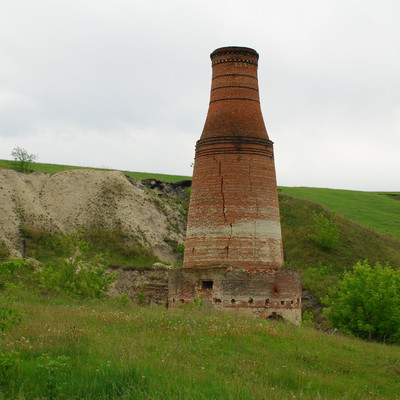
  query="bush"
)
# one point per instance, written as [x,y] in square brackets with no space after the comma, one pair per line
[8,362]
[366,303]
[81,274]
[16,272]
[325,231]
[141,296]
[9,316]
[56,371]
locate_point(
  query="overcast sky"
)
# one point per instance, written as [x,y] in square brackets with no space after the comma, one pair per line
[125,84]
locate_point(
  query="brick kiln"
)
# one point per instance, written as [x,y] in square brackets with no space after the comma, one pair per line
[233,251]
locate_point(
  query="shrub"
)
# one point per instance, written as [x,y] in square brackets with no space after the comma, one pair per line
[81,274]
[325,231]
[141,296]
[8,361]
[9,316]
[366,303]
[17,273]
[124,299]
[308,319]
[175,246]
[56,369]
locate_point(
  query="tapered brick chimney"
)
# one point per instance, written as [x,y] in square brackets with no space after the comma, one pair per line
[233,249]
[234,212]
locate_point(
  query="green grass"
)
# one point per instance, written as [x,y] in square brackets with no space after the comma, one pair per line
[128,352]
[378,211]
[118,247]
[53,168]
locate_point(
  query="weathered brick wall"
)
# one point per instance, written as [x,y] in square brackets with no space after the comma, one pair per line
[234,212]
[266,293]
[234,101]
[152,283]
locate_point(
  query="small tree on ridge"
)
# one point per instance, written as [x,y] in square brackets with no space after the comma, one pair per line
[23,158]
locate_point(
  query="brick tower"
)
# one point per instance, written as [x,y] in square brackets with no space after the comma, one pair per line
[233,249]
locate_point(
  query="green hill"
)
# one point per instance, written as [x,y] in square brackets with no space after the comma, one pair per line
[376,210]
[322,268]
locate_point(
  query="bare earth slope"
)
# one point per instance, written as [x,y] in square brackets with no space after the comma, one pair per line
[67,200]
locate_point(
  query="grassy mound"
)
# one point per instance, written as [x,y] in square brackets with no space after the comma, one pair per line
[378,211]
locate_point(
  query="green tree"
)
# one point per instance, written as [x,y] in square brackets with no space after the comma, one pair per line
[23,158]
[366,303]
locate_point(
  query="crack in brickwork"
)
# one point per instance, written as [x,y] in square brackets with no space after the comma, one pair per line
[222,188]
[220,174]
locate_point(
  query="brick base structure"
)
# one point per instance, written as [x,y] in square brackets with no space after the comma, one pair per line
[262,292]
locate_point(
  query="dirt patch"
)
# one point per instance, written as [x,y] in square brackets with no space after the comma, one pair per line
[68,200]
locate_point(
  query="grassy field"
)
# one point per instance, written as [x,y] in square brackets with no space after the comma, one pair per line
[53,168]
[119,351]
[379,211]
[112,349]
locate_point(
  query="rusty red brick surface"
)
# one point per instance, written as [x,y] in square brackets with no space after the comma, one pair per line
[234,213]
